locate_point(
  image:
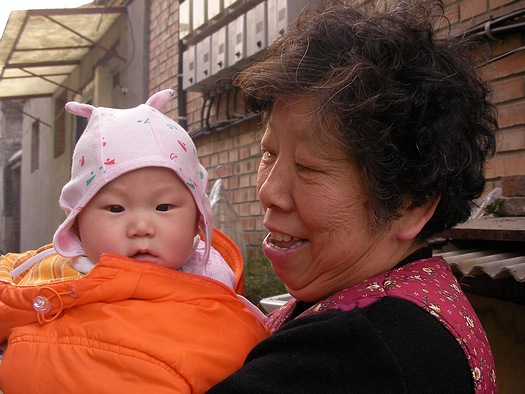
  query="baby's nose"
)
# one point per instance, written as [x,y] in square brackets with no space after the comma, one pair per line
[141,227]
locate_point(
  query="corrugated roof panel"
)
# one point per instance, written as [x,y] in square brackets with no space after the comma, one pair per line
[496,263]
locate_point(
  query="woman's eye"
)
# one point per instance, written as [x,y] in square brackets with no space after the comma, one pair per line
[303,168]
[115,208]
[163,207]
[266,155]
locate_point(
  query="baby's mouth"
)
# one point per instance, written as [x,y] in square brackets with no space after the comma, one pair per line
[283,241]
[143,256]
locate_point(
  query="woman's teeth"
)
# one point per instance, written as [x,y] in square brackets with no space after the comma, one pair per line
[282,237]
[284,241]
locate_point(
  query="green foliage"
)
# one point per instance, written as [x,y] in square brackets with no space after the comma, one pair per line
[261,282]
[494,208]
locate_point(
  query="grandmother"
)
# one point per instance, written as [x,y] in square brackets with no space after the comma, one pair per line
[376,131]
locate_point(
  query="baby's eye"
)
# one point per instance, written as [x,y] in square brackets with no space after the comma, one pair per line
[115,208]
[163,207]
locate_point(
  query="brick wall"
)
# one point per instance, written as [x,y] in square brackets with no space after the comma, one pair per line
[507,80]
[233,153]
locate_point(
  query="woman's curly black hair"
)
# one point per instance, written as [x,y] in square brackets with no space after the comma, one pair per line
[406,102]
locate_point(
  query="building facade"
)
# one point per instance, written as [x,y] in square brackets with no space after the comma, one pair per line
[148,48]
[96,55]
[232,152]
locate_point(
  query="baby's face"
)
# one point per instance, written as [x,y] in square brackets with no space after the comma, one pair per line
[147,214]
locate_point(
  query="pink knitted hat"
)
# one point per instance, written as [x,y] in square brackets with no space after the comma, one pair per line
[117,141]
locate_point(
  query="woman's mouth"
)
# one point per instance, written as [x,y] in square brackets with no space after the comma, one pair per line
[283,241]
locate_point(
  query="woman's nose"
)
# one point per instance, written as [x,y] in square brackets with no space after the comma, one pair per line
[274,185]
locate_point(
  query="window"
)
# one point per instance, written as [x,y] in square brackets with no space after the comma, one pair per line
[60,125]
[35,145]
[80,125]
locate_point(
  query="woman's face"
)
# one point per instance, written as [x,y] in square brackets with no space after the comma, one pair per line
[320,239]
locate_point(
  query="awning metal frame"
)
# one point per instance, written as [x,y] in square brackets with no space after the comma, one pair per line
[53,78]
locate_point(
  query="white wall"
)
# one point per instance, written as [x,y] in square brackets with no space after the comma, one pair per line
[40,214]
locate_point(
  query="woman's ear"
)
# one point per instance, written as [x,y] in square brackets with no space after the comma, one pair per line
[414,219]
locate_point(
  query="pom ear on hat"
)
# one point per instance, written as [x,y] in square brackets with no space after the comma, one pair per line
[158,100]
[80,109]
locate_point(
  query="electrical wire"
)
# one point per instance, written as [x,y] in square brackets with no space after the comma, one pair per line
[493,27]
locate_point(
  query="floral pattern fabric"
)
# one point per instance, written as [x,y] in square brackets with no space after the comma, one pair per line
[430,284]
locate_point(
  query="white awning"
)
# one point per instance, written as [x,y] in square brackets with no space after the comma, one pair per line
[39,49]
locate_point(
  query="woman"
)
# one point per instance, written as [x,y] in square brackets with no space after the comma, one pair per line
[376,134]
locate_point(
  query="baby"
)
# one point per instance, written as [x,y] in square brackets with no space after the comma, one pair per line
[128,296]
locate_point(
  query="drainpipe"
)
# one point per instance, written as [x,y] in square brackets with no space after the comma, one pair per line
[181,94]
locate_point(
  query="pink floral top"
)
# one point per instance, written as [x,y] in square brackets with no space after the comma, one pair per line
[430,284]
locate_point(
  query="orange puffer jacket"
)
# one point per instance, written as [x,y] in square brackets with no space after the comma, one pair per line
[125,327]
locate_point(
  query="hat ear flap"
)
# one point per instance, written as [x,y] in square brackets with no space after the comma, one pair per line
[160,98]
[80,109]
